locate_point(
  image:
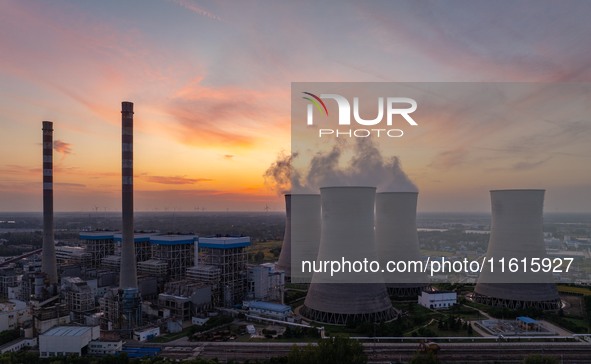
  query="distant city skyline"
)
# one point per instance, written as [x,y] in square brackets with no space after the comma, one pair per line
[211,86]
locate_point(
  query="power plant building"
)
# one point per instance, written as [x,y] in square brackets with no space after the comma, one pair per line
[141,245]
[176,251]
[99,244]
[265,283]
[62,341]
[78,297]
[227,257]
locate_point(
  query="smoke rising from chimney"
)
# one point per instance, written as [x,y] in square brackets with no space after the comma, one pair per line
[367,167]
[280,174]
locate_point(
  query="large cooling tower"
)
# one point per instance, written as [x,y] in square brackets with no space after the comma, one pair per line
[302,231]
[284,262]
[347,231]
[128,271]
[516,232]
[48,260]
[397,240]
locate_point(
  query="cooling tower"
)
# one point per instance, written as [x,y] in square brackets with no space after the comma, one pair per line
[516,232]
[128,272]
[302,229]
[284,262]
[397,240]
[347,230]
[48,261]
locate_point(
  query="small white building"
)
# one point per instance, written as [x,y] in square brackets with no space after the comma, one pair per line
[251,329]
[105,347]
[67,340]
[146,334]
[18,345]
[438,300]
[199,321]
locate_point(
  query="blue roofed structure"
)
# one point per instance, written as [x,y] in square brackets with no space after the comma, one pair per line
[268,309]
[527,320]
[224,242]
[173,239]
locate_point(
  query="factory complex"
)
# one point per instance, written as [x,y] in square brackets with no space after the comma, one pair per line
[122,287]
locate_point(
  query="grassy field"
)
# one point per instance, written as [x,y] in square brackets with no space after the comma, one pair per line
[449,333]
[267,249]
[170,337]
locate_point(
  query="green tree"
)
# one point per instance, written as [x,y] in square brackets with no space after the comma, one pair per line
[337,350]
[9,335]
[259,257]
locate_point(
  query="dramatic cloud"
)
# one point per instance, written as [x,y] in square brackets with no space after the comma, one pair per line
[230,116]
[206,89]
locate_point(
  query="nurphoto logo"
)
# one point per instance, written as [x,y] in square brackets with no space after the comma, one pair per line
[390,107]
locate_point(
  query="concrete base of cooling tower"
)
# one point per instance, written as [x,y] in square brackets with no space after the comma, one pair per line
[406,290]
[541,296]
[343,318]
[342,303]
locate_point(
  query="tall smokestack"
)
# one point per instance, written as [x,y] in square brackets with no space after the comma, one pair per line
[48,262]
[128,272]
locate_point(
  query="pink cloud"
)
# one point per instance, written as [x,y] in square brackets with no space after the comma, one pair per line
[62,147]
[227,115]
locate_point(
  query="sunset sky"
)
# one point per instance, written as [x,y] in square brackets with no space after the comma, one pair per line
[211,85]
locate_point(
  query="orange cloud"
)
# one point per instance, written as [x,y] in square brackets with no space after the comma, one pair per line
[231,116]
[175,180]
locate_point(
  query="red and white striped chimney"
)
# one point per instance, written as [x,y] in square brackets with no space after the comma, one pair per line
[48,261]
[128,270]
